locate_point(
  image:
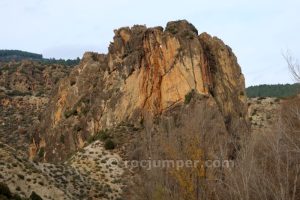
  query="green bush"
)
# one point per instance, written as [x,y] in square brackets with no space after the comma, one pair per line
[254,112]
[35,196]
[17,93]
[41,152]
[172,29]
[17,197]
[109,144]
[4,190]
[91,139]
[69,113]
[189,96]
[39,93]
[62,138]
[188,34]
[261,98]
[21,176]
[77,128]
[101,135]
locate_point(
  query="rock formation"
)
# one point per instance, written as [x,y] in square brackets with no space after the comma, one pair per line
[146,73]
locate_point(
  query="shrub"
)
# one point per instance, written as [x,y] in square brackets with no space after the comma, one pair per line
[17,93]
[69,113]
[254,112]
[35,196]
[77,128]
[17,197]
[62,138]
[91,139]
[109,144]
[39,93]
[85,110]
[73,82]
[261,98]
[101,135]
[188,34]
[21,176]
[4,190]
[41,152]
[189,96]
[172,30]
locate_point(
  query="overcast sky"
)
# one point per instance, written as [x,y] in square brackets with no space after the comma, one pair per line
[258,31]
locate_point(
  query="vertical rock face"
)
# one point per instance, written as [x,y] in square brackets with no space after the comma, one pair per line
[147,71]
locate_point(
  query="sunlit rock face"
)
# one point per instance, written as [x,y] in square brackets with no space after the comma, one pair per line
[147,71]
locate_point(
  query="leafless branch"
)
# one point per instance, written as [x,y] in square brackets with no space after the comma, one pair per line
[293,65]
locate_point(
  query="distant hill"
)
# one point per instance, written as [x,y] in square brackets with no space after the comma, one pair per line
[17,55]
[7,55]
[278,90]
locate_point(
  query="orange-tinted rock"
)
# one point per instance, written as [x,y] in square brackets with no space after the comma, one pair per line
[147,70]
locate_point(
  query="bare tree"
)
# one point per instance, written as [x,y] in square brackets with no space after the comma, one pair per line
[268,165]
[293,65]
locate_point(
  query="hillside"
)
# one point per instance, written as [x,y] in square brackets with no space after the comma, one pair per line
[279,90]
[25,88]
[17,55]
[7,55]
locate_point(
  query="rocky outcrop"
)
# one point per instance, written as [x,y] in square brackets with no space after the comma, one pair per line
[263,113]
[146,73]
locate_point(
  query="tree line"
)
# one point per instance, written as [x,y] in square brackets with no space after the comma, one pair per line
[68,62]
[277,90]
[17,55]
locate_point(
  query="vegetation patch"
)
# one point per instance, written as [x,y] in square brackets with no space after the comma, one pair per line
[279,90]
[101,135]
[69,113]
[109,144]
[4,190]
[41,152]
[189,96]
[62,138]
[35,196]
[17,55]
[17,93]
[188,34]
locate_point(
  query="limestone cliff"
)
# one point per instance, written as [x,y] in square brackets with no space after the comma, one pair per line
[146,73]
